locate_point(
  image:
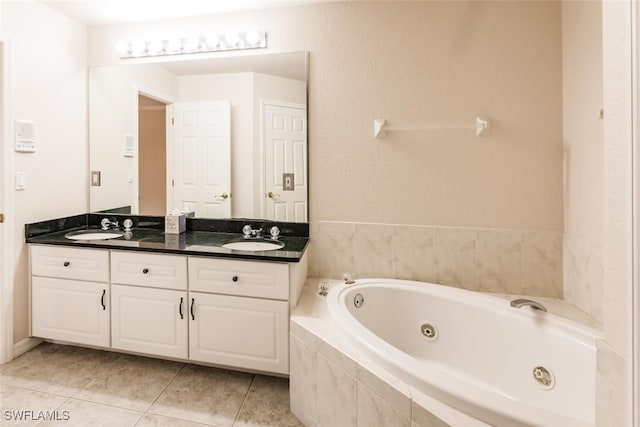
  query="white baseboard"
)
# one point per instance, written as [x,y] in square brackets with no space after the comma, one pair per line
[25,345]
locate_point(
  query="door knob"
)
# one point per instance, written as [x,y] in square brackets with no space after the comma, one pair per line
[272,195]
[223,196]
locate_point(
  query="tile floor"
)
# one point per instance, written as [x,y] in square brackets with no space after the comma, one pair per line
[88,388]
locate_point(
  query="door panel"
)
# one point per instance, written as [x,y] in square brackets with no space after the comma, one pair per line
[285,137]
[202,160]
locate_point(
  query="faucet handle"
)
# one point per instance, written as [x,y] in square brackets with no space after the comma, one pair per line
[275,232]
[247,230]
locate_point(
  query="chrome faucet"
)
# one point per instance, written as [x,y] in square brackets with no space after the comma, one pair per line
[518,303]
[106,223]
[249,232]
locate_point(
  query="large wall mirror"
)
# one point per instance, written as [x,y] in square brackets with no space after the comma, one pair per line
[218,138]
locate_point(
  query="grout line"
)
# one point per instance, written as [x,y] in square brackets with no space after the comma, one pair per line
[253,379]
[166,387]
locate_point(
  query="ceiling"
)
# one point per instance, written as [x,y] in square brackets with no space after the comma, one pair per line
[109,12]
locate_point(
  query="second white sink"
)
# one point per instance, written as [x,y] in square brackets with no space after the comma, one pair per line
[253,245]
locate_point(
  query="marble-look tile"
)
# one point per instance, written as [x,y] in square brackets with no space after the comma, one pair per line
[331,250]
[373,246]
[611,365]
[302,334]
[152,420]
[14,401]
[84,414]
[542,264]
[373,411]
[130,382]
[429,412]
[455,260]
[204,395]
[386,386]
[337,396]
[267,404]
[61,370]
[499,254]
[303,380]
[413,253]
[338,357]
[611,408]
[583,275]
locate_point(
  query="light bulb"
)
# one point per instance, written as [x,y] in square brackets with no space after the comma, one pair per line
[138,47]
[156,47]
[232,39]
[174,45]
[122,47]
[212,41]
[191,44]
[253,38]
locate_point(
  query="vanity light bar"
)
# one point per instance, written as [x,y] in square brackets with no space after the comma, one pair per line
[208,43]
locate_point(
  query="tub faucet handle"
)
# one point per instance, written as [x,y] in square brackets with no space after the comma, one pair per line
[348,280]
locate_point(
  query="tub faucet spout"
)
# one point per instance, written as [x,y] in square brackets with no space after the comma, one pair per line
[518,303]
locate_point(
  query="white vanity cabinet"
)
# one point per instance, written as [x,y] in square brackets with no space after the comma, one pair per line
[228,312]
[70,294]
[239,313]
[149,303]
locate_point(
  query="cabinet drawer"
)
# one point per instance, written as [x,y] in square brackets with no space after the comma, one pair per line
[70,263]
[144,269]
[243,278]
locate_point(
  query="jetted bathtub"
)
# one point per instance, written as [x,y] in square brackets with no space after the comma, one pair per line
[503,365]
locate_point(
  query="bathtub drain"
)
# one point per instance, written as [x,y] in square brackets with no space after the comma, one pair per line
[544,377]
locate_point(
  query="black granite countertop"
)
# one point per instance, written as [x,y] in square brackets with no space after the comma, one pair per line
[202,238]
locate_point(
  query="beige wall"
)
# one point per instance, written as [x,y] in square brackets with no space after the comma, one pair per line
[113,95]
[48,86]
[152,173]
[417,62]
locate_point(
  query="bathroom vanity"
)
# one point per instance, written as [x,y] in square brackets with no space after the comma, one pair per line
[182,297]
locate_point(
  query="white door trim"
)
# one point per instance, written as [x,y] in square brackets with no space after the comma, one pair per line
[634,329]
[157,96]
[6,206]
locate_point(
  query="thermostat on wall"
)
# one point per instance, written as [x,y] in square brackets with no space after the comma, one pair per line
[25,136]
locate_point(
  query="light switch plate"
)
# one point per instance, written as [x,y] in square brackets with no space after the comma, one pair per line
[95,178]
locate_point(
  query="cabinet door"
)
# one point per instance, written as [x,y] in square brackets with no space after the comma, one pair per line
[152,321]
[242,332]
[70,310]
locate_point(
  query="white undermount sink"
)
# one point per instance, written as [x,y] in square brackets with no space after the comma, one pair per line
[253,245]
[93,235]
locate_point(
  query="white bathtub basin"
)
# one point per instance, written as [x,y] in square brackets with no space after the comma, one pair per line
[476,353]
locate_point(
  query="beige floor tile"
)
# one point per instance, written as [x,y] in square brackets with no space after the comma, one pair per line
[85,414]
[130,382]
[267,404]
[61,370]
[205,395]
[152,420]
[22,407]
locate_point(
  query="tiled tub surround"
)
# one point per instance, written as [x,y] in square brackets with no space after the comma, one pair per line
[583,274]
[490,260]
[333,383]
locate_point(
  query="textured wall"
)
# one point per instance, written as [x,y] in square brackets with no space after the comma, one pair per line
[417,63]
[48,88]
